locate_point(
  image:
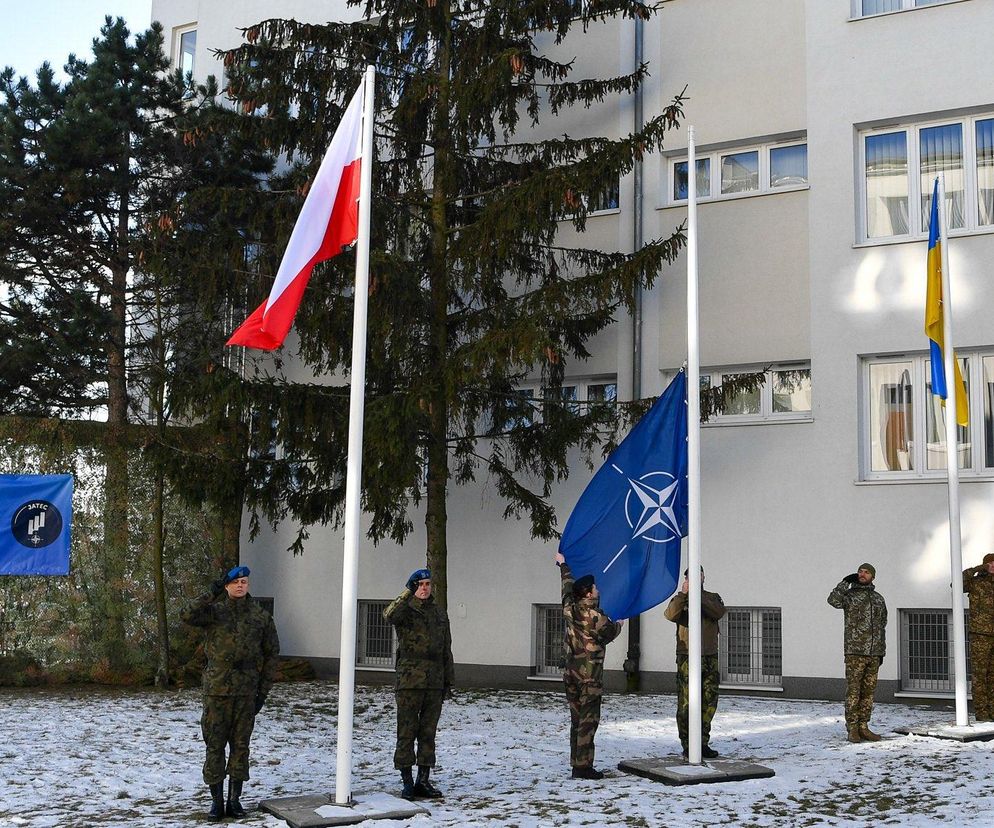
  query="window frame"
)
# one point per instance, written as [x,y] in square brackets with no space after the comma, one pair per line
[856,8]
[714,161]
[920,402]
[552,665]
[925,686]
[766,413]
[540,398]
[362,660]
[755,678]
[912,131]
[178,32]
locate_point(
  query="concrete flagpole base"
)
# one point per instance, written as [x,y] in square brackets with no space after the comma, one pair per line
[976,732]
[320,810]
[675,770]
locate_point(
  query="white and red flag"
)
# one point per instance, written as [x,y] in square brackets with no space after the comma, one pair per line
[328,222]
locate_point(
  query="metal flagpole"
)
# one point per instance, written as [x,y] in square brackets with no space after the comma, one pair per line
[353,478]
[693,465]
[952,471]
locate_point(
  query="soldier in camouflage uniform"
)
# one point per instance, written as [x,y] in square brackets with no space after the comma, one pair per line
[588,632]
[712,609]
[424,678]
[865,646]
[241,648]
[978,583]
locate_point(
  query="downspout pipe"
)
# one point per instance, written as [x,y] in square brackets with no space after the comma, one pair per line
[633,675]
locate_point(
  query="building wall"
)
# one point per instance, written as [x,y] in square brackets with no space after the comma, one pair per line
[784,277]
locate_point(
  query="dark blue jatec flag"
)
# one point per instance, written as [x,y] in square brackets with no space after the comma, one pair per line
[626,528]
[35,523]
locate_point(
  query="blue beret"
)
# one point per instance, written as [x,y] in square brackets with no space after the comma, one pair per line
[236,573]
[419,575]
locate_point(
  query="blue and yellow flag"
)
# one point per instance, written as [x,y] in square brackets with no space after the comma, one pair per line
[933,318]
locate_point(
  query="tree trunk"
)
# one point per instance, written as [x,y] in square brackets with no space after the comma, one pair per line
[158,547]
[436,517]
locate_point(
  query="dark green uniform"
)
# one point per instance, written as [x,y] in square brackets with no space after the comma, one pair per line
[978,583]
[588,632]
[712,609]
[241,647]
[865,646]
[424,675]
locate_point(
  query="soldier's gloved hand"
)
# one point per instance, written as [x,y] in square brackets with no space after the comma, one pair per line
[217,587]
[852,579]
[260,700]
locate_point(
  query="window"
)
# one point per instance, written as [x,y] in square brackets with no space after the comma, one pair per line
[868,8]
[926,650]
[376,645]
[757,169]
[550,627]
[898,442]
[606,199]
[185,49]
[899,166]
[750,647]
[784,396]
[524,408]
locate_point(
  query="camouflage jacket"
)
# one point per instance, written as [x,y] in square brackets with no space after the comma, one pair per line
[712,609]
[588,632]
[424,643]
[866,618]
[978,583]
[241,644]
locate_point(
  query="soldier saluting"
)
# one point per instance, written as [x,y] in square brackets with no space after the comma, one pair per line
[241,648]
[424,677]
[978,583]
[865,646]
[588,632]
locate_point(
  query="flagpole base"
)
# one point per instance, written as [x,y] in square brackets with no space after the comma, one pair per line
[977,732]
[320,810]
[675,770]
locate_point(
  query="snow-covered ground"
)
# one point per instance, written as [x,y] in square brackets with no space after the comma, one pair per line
[87,757]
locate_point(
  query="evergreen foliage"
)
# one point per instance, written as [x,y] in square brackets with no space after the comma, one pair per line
[473,288]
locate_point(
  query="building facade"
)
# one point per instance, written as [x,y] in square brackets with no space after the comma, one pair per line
[820,125]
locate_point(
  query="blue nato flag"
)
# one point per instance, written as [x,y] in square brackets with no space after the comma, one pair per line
[625,530]
[35,523]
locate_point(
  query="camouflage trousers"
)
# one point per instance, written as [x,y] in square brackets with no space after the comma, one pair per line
[709,696]
[861,682]
[584,700]
[418,712]
[227,721]
[982,671]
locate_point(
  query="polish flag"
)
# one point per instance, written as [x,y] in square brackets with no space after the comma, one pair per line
[328,222]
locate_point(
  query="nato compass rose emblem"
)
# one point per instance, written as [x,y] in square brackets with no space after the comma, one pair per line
[36,523]
[650,508]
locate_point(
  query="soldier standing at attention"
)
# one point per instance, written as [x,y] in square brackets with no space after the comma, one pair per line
[241,648]
[865,646]
[978,583]
[588,632]
[424,678]
[712,609]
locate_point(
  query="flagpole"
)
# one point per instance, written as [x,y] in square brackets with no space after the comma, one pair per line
[952,470]
[353,477]
[693,466]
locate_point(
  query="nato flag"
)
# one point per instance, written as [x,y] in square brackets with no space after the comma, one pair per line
[626,528]
[35,523]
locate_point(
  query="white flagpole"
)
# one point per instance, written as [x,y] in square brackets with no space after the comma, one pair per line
[353,477]
[952,471]
[693,465]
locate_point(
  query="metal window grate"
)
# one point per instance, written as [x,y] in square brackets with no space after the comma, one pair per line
[926,650]
[750,646]
[376,644]
[550,627]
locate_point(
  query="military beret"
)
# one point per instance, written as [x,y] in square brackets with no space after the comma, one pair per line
[235,573]
[419,575]
[582,585]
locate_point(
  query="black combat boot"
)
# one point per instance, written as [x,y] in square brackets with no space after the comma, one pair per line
[408,777]
[587,773]
[235,808]
[423,787]
[217,802]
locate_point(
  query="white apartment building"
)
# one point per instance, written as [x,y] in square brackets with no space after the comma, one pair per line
[819,125]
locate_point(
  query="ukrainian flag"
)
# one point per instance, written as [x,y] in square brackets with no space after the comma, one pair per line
[933,318]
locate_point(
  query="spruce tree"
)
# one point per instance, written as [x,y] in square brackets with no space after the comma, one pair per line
[473,290]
